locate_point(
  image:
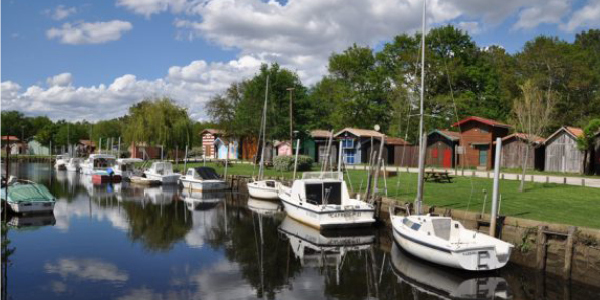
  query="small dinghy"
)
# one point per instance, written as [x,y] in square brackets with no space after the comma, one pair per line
[26,196]
[203,179]
[264,189]
[143,181]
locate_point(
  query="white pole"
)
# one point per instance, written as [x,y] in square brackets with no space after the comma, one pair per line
[119,148]
[296,160]
[162,157]
[100,146]
[185,160]
[422,141]
[340,158]
[496,190]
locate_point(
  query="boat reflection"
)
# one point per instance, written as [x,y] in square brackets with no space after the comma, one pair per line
[446,283]
[161,194]
[198,200]
[264,207]
[31,221]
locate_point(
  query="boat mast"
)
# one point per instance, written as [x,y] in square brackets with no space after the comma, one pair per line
[262,152]
[419,200]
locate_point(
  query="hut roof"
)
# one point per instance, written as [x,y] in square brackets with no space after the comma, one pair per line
[281,143]
[523,136]
[451,135]
[489,122]
[360,132]
[320,133]
[10,138]
[87,143]
[212,131]
[395,141]
[572,131]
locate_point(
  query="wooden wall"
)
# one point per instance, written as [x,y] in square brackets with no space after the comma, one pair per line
[410,157]
[438,147]
[475,132]
[513,153]
[249,147]
[562,154]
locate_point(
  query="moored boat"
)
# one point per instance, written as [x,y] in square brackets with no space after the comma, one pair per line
[143,181]
[321,200]
[26,196]
[73,164]
[203,179]
[125,167]
[162,171]
[105,177]
[264,189]
[97,162]
[61,162]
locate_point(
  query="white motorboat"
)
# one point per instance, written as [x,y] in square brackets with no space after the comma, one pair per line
[203,179]
[321,200]
[125,167]
[73,164]
[262,207]
[201,200]
[26,196]
[264,189]
[61,162]
[446,283]
[97,162]
[143,181]
[162,171]
[446,242]
[314,249]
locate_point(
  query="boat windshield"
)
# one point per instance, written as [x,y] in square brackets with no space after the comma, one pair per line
[323,193]
[323,175]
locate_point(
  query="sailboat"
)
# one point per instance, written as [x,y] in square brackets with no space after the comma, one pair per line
[264,189]
[442,240]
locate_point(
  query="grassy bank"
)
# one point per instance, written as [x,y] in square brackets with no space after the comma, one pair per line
[554,203]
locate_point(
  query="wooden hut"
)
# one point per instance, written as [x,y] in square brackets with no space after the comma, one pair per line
[562,154]
[208,141]
[283,148]
[249,146]
[476,140]
[398,151]
[441,147]
[514,147]
[224,146]
[356,144]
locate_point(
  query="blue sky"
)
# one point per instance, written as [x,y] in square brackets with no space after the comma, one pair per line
[92,59]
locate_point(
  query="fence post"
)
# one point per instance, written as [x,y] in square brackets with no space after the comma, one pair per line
[541,248]
[569,252]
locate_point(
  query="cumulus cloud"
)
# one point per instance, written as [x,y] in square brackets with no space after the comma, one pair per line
[589,15]
[60,12]
[87,269]
[150,7]
[550,13]
[191,86]
[89,33]
[471,27]
[63,79]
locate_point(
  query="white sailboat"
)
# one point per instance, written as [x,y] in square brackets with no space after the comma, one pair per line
[264,189]
[442,240]
[163,172]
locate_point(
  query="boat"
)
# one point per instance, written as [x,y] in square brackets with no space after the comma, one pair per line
[195,201]
[125,167]
[61,162]
[25,196]
[162,171]
[203,179]
[143,181]
[264,189]
[108,176]
[315,249]
[97,162]
[321,200]
[265,208]
[73,164]
[446,283]
[442,240]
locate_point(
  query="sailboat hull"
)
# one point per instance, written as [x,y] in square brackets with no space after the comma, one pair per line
[263,190]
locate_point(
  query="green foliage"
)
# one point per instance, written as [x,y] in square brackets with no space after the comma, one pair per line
[195,152]
[285,163]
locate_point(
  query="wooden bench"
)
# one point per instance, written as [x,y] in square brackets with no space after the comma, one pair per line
[438,176]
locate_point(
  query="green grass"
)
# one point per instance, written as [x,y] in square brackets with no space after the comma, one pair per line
[555,203]
[544,173]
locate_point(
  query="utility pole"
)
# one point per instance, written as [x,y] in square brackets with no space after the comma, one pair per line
[291,117]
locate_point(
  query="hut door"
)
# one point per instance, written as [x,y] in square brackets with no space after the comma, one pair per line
[447,163]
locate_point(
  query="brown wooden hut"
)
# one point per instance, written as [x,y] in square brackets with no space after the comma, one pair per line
[562,154]
[514,147]
[476,140]
[441,146]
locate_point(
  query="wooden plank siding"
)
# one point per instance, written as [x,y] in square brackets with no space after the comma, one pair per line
[475,138]
[513,153]
[440,151]
[562,154]
[406,156]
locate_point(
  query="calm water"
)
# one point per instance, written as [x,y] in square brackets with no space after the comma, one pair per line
[126,242]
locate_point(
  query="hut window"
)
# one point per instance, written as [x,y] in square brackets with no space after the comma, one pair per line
[348,143]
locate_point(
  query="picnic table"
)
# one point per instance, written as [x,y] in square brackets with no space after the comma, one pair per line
[437,176]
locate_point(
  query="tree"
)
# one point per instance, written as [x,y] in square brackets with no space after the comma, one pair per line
[532,112]
[585,143]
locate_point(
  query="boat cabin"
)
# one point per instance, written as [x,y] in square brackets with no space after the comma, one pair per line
[102,160]
[127,164]
[161,168]
[203,173]
[321,188]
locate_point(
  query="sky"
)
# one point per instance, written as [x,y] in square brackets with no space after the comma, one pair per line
[91,60]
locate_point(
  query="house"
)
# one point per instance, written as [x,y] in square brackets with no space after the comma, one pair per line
[226,148]
[249,148]
[208,141]
[283,148]
[357,143]
[36,148]
[562,154]
[15,145]
[316,145]
[441,148]
[514,147]
[476,140]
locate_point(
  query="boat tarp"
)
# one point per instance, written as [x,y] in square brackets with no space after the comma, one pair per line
[207,173]
[28,193]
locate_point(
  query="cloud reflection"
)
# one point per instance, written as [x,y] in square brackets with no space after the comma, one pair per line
[86,269]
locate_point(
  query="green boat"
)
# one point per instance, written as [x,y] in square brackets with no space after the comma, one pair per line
[26,196]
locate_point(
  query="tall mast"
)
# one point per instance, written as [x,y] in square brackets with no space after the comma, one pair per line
[262,152]
[419,200]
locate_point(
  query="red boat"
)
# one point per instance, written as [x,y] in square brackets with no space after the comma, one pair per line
[105,178]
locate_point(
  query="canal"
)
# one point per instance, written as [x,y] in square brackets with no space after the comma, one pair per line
[129,242]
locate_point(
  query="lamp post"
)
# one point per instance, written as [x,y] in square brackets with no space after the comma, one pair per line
[291,89]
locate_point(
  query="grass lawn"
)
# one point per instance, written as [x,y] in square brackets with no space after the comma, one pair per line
[556,203]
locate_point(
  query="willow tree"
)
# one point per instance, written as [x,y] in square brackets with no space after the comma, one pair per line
[158,121]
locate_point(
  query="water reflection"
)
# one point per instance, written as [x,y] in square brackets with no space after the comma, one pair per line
[122,241]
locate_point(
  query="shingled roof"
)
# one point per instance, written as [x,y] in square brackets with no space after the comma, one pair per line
[451,135]
[489,122]
[319,133]
[360,132]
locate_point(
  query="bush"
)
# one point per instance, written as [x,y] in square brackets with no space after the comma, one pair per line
[195,152]
[285,163]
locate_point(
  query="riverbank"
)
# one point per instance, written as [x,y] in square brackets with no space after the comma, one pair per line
[547,202]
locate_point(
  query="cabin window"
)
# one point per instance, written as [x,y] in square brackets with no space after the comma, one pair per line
[348,143]
[349,155]
[324,193]
[411,224]
[190,172]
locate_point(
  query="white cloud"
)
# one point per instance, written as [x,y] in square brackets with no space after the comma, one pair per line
[63,79]
[88,269]
[549,13]
[150,7]
[588,15]
[60,12]
[89,33]
[471,27]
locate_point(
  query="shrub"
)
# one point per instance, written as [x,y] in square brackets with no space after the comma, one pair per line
[195,152]
[286,163]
